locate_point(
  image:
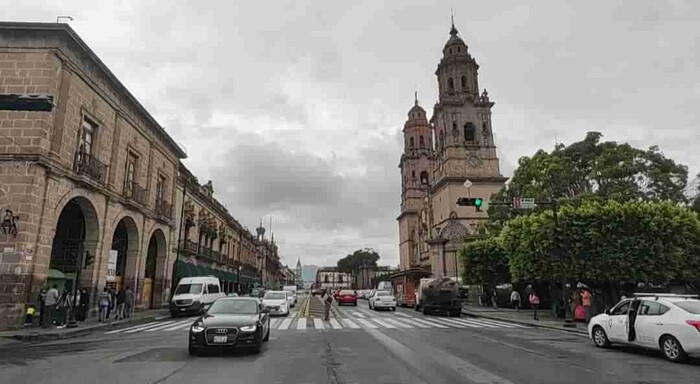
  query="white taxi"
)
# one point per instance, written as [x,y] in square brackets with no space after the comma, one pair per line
[667,322]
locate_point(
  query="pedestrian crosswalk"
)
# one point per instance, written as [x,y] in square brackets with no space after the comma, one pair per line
[352,320]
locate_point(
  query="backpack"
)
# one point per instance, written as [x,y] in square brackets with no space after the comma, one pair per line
[534,299]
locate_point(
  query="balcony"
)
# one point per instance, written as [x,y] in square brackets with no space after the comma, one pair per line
[135,192]
[215,255]
[164,209]
[87,164]
[188,246]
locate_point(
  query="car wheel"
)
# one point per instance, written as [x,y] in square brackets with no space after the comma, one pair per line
[192,350]
[173,315]
[425,310]
[600,338]
[267,335]
[393,308]
[672,349]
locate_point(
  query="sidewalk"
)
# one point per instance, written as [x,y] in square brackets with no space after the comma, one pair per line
[525,317]
[35,333]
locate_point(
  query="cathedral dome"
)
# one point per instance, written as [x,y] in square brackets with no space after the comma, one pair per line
[455,45]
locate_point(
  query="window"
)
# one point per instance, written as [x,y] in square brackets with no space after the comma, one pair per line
[86,137]
[469,132]
[620,309]
[213,288]
[340,278]
[325,278]
[459,49]
[131,160]
[450,51]
[450,83]
[412,143]
[690,306]
[160,189]
[464,82]
[421,142]
[424,178]
[652,308]
[188,288]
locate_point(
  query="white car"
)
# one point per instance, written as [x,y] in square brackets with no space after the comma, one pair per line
[382,299]
[277,302]
[667,322]
[291,298]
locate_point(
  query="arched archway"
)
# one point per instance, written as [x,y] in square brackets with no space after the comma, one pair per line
[125,243]
[76,238]
[155,279]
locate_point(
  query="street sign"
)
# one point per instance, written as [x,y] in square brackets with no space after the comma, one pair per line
[517,203]
[468,184]
[528,203]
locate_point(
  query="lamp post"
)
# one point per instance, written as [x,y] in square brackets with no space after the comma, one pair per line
[238,279]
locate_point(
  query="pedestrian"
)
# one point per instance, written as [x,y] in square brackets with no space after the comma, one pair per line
[30,313]
[128,301]
[50,301]
[64,308]
[494,299]
[103,303]
[327,307]
[586,302]
[535,303]
[515,299]
[42,305]
[83,305]
[120,304]
[112,301]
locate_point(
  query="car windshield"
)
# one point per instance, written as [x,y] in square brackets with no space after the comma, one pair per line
[275,295]
[233,307]
[690,306]
[347,293]
[233,294]
[188,288]
[384,294]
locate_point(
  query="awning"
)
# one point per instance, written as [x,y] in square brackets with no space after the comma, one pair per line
[55,274]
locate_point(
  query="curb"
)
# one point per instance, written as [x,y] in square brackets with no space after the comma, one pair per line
[76,332]
[560,329]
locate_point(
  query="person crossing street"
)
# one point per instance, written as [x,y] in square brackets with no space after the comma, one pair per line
[327,306]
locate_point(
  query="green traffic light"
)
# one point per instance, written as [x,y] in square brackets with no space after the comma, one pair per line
[478,202]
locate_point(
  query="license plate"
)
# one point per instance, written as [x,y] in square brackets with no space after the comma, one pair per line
[183,309]
[220,339]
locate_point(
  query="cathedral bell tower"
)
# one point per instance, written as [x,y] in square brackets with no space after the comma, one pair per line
[416,167]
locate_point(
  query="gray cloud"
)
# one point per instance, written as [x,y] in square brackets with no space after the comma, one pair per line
[298,111]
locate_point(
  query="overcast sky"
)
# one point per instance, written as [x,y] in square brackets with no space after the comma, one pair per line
[295,108]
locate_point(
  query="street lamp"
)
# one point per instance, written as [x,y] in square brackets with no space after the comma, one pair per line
[238,278]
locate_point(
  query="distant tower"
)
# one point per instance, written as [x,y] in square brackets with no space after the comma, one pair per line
[297,275]
[261,231]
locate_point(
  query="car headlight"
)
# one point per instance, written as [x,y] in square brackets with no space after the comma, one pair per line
[249,328]
[198,327]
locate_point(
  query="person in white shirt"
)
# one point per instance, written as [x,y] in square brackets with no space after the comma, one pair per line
[515,299]
[50,301]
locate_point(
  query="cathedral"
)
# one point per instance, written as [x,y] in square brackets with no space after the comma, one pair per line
[440,154]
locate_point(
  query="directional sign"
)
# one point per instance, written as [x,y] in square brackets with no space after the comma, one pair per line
[528,203]
[468,184]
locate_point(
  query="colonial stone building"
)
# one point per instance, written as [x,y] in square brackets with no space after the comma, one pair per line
[456,144]
[330,278]
[87,176]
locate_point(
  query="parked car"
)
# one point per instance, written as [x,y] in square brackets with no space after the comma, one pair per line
[293,290]
[277,302]
[194,295]
[347,297]
[668,322]
[232,294]
[382,299]
[291,298]
[230,322]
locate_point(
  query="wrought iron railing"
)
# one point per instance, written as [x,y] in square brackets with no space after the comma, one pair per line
[164,209]
[87,164]
[189,245]
[135,192]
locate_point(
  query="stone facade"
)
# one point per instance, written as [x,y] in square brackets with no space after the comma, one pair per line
[330,278]
[456,144]
[95,163]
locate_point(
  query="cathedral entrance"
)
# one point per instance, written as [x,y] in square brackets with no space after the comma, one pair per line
[154,270]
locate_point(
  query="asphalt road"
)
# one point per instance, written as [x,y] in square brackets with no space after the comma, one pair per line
[362,346]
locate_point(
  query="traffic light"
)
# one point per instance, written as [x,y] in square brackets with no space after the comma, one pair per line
[89,260]
[476,202]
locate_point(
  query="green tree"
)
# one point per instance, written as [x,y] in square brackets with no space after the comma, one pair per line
[485,262]
[606,241]
[360,259]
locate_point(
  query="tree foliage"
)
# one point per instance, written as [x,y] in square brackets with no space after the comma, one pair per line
[484,262]
[605,241]
[355,262]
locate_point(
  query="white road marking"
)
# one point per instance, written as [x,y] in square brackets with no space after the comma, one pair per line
[149,327]
[335,324]
[397,323]
[275,323]
[318,324]
[444,321]
[383,323]
[285,324]
[430,323]
[163,326]
[478,323]
[358,314]
[403,314]
[181,325]
[501,323]
[366,323]
[350,323]
[140,326]
[301,323]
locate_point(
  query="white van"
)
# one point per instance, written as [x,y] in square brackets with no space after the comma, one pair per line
[293,290]
[195,294]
